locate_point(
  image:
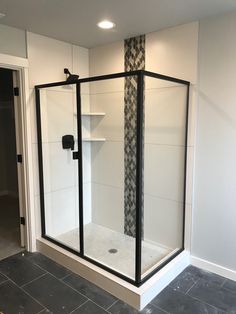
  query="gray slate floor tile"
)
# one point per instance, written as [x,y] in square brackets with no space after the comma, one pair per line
[49,265]
[19,269]
[230,285]
[15,301]
[91,291]
[123,308]
[2,278]
[215,295]
[89,308]
[54,294]
[176,302]
[191,275]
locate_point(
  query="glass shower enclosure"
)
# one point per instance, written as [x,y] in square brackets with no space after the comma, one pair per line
[112,155]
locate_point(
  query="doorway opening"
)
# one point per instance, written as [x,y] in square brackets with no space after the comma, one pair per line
[11,200]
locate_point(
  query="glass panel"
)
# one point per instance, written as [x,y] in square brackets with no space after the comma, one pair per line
[164,161]
[106,236]
[59,132]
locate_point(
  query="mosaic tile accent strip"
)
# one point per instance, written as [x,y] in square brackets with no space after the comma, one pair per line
[134,49]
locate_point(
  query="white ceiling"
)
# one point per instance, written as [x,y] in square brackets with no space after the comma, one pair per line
[75,21]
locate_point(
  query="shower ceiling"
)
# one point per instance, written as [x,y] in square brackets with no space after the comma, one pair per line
[75,21]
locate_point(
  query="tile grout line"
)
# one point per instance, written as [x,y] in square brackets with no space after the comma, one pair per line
[192,286]
[112,305]
[48,273]
[99,306]
[25,284]
[203,302]
[4,282]
[27,294]
[160,308]
[88,299]
[79,306]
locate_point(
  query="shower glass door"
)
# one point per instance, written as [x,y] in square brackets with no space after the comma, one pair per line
[58,142]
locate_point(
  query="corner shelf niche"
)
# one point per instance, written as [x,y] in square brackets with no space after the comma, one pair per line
[92,114]
[94,139]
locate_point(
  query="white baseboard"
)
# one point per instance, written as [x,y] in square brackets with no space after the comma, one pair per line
[214,268]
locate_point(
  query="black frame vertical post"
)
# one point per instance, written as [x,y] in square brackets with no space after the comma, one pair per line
[80,169]
[40,160]
[139,178]
[185,162]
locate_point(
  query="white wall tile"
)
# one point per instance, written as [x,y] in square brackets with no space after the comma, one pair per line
[165,115]
[59,170]
[60,212]
[111,126]
[164,171]
[57,115]
[108,207]
[163,221]
[108,163]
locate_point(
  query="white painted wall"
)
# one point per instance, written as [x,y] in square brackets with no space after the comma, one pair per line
[214,220]
[13,41]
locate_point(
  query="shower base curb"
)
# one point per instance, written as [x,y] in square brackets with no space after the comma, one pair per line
[134,296]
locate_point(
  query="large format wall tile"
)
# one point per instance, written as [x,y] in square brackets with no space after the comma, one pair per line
[165,115]
[164,171]
[111,126]
[108,163]
[57,115]
[59,169]
[108,205]
[60,211]
[163,221]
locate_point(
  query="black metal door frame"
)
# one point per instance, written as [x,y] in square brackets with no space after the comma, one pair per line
[138,281]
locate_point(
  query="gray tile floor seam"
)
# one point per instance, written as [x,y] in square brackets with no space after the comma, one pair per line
[195,298]
[61,280]
[112,305]
[79,306]
[192,286]
[32,281]
[159,308]
[3,282]
[222,285]
[27,293]
[106,310]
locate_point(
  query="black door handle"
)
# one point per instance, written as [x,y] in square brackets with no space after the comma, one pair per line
[75,155]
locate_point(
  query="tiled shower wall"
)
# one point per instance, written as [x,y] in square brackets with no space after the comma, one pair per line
[47,59]
[171,52]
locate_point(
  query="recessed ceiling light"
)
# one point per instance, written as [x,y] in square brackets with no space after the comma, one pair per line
[106,24]
[2,15]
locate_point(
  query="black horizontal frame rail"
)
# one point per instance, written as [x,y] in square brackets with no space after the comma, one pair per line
[115,76]
[140,74]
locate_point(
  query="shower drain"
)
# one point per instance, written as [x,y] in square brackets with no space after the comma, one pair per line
[113,251]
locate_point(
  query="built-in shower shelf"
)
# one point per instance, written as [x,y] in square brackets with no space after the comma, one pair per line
[92,114]
[94,139]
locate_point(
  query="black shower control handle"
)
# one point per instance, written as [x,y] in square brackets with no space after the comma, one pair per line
[68,142]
